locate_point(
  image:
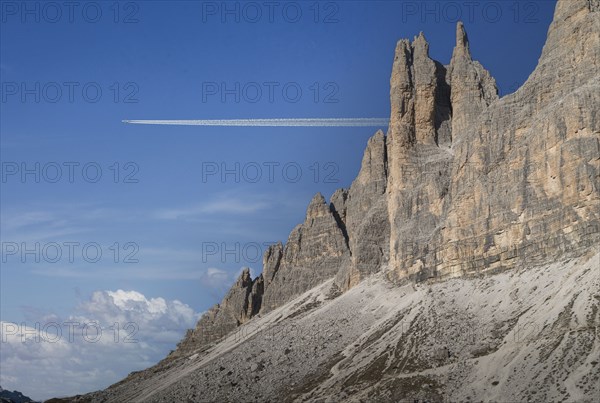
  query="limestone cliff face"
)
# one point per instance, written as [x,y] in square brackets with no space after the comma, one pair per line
[463,182]
[417,148]
[524,178]
[364,215]
[313,253]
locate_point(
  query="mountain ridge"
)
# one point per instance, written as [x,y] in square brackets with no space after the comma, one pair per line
[464,184]
[409,194]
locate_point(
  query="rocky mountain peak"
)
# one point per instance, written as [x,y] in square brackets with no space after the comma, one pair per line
[473,87]
[465,185]
[464,182]
[426,184]
[317,207]
[244,278]
[462,43]
[570,55]
[420,45]
[374,162]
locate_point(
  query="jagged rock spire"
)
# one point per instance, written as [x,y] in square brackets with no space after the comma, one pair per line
[414,95]
[462,42]
[317,207]
[271,261]
[473,88]
[425,80]
[401,130]
[363,215]
[313,253]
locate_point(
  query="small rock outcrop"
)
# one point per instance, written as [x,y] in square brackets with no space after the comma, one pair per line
[7,396]
[242,302]
[271,261]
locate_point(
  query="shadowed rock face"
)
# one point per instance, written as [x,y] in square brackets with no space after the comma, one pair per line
[463,183]
[313,253]
[364,215]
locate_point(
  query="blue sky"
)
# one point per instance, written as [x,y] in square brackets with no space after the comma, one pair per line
[157,200]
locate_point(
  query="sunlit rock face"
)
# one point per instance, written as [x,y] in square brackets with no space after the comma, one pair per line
[519,184]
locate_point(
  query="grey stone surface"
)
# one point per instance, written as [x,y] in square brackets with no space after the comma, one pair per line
[312,254]
[365,215]
[243,300]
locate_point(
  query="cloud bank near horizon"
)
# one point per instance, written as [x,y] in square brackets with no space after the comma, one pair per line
[110,335]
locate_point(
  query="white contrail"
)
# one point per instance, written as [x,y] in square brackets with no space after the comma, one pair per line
[308,122]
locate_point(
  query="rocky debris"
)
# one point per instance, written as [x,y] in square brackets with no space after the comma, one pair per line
[256,367]
[455,340]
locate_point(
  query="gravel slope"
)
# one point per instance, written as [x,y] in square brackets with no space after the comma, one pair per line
[520,335]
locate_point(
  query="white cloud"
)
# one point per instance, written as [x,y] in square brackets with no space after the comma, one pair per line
[217,281]
[241,202]
[70,356]
[29,223]
[210,277]
[219,206]
[215,277]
